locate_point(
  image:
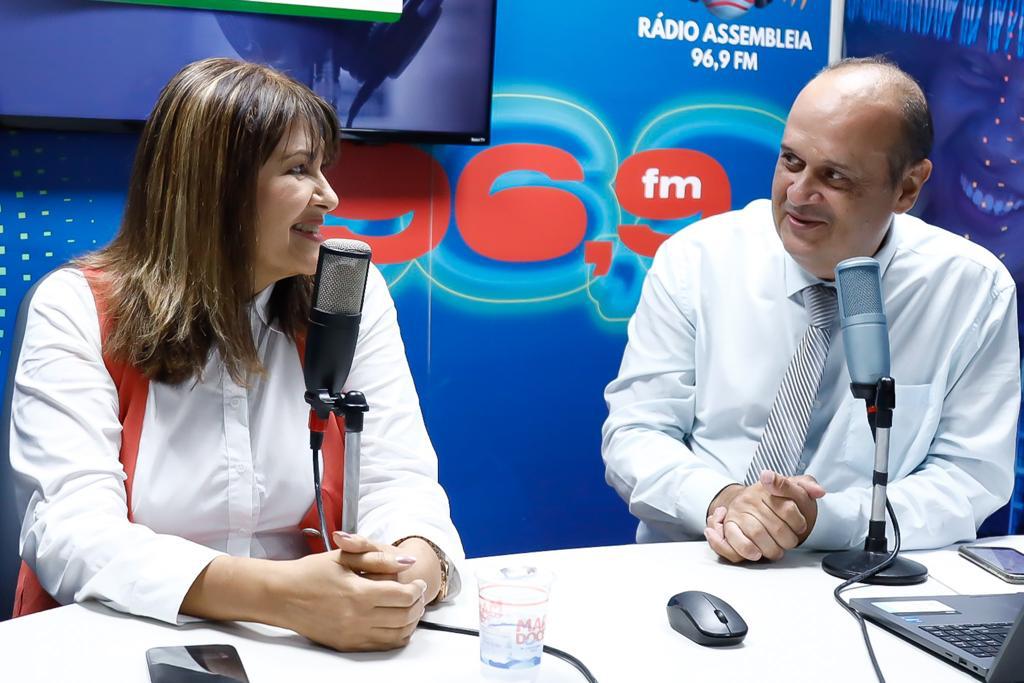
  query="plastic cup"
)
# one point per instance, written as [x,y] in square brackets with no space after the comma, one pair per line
[513,617]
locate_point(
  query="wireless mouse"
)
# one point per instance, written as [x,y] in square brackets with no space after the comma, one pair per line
[705,619]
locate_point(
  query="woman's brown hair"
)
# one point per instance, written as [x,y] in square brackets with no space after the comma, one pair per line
[179,275]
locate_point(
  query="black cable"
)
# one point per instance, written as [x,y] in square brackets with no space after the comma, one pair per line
[319,498]
[561,654]
[868,573]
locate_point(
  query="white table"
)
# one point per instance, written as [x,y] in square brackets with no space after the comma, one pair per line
[607,608]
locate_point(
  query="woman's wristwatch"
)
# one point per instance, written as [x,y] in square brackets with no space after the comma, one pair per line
[442,560]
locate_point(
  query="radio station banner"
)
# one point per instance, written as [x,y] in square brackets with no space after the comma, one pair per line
[369,10]
[515,266]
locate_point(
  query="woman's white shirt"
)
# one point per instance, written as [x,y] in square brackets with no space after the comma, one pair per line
[222,468]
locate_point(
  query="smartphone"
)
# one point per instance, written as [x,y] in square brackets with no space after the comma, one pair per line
[1006,563]
[195,664]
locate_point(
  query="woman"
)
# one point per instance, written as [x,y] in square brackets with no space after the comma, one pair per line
[159,429]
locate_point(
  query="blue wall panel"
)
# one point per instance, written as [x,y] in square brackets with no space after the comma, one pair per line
[514,327]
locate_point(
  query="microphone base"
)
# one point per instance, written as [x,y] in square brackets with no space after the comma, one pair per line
[849,563]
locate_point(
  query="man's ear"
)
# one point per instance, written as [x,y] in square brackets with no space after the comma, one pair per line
[910,186]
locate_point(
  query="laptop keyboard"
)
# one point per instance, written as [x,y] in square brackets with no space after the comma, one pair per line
[981,640]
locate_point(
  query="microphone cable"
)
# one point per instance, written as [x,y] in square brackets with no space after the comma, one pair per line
[429,625]
[561,654]
[868,573]
[319,498]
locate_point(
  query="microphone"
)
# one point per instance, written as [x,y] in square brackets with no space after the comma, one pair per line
[866,342]
[865,327]
[338,291]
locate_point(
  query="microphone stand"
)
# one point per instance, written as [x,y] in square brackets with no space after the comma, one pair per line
[880,399]
[351,407]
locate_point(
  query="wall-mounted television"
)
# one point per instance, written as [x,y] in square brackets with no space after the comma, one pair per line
[85,64]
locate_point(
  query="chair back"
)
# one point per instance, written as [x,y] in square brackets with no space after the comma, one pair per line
[11,510]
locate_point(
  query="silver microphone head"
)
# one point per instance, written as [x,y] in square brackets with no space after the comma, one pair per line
[858,283]
[341,276]
[862,318]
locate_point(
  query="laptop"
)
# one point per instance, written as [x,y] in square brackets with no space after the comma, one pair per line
[982,634]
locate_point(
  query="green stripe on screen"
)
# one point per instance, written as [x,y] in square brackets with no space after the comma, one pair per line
[273,8]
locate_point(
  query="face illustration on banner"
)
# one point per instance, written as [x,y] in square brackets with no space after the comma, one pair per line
[977,101]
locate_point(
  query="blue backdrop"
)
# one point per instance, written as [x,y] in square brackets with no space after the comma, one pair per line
[512,276]
[514,267]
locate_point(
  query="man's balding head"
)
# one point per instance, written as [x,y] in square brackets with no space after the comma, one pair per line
[879,80]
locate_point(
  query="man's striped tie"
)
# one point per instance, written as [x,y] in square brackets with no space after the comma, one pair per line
[783,437]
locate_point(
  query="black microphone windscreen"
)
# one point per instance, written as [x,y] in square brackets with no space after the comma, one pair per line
[859,291]
[341,276]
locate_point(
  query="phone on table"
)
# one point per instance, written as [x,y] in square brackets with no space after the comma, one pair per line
[195,664]
[1006,563]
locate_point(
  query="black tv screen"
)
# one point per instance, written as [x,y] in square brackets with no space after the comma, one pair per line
[86,64]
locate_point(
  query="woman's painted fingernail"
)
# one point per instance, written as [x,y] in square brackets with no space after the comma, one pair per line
[406,560]
[342,534]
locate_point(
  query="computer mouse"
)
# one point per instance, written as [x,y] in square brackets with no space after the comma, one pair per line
[705,619]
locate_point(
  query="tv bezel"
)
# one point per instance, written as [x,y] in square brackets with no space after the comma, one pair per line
[368,135]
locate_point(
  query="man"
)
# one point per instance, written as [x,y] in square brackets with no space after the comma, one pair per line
[736,303]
